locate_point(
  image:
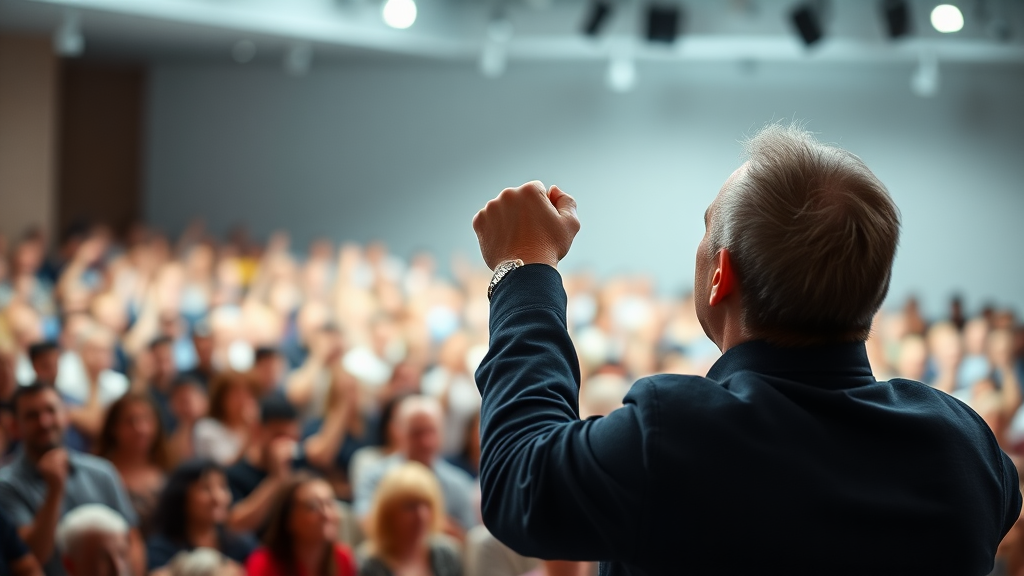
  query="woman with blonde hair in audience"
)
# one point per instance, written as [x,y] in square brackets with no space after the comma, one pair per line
[133,440]
[404,527]
[233,411]
[301,537]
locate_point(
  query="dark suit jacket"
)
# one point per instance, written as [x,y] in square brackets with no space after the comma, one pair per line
[781,461]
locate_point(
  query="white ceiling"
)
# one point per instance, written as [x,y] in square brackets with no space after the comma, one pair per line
[739,30]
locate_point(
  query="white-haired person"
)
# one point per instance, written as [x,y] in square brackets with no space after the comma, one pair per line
[405,524]
[419,425]
[93,541]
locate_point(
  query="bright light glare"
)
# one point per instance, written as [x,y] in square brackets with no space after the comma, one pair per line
[399,13]
[621,74]
[947,18]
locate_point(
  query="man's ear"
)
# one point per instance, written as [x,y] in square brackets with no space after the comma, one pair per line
[723,281]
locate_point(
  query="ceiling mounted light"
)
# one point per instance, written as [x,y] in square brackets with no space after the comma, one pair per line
[947,18]
[663,23]
[68,40]
[298,59]
[621,74]
[897,18]
[399,14]
[807,19]
[597,17]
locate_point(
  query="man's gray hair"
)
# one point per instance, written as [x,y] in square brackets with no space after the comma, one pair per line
[86,519]
[811,233]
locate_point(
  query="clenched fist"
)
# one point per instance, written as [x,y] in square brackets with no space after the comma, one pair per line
[531,223]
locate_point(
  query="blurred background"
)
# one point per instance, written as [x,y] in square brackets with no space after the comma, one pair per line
[317,117]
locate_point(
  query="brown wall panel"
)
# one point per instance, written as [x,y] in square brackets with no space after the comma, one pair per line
[100,178]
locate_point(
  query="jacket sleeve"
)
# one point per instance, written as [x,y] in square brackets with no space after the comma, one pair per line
[553,487]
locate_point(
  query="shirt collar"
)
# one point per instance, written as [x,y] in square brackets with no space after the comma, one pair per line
[827,365]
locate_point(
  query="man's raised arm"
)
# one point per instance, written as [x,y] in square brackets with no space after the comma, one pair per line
[553,487]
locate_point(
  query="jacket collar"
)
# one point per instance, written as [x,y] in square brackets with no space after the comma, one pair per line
[827,366]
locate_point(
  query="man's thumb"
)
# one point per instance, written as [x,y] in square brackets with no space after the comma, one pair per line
[564,203]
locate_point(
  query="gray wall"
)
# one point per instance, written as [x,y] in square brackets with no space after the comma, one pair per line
[407,152]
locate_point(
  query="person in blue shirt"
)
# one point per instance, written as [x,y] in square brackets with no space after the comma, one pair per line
[15,557]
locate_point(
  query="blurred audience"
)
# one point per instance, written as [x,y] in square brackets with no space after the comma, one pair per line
[192,513]
[345,361]
[405,524]
[133,440]
[93,541]
[46,478]
[15,557]
[301,537]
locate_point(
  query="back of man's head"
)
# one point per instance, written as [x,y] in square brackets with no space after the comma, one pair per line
[93,540]
[811,234]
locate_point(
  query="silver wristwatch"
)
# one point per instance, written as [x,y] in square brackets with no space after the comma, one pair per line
[500,271]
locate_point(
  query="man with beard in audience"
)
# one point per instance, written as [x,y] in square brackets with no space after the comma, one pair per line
[46,480]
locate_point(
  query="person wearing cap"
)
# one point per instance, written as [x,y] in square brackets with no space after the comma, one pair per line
[46,479]
[275,450]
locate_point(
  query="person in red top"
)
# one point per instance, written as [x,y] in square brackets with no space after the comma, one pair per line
[302,533]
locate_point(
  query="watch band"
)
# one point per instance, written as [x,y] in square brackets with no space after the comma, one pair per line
[500,271]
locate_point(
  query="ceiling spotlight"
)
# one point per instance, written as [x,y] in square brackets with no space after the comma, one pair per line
[243,51]
[68,39]
[925,81]
[493,60]
[399,14]
[807,19]
[663,23]
[897,18]
[298,59]
[947,18]
[597,17]
[621,74]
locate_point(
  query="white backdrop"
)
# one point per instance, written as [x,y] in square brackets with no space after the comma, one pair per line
[408,151]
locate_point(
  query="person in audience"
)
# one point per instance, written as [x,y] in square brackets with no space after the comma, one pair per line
[161,352]
[307,387]
[468,458]
[192,513]
[15,557]
[224,433]
[301,537]
[46,479]
[202,340]
[419,424]
[94,541]
[404,525]
[188,404]
[388,434]
[88,380]
[275,451]
[133,440]
[203,562]
[45,358]
[267,370]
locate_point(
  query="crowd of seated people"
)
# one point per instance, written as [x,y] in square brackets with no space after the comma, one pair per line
[208,407]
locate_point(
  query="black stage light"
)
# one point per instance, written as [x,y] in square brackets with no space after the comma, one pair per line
[897,18]
[807,20]
[663,23]
[597,17]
